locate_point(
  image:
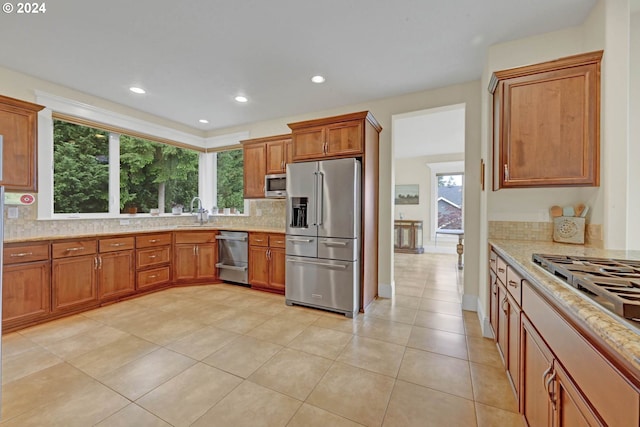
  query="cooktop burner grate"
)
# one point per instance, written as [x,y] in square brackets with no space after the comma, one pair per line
[614,280]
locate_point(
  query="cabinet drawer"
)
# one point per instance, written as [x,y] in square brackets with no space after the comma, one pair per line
[276,240]
[26,253]
[493,259]
[501,270]
[75,248]
[153,256]
[195,237]
[116,244]
[514,285]
[613,398]
[152,240]
[150,278]
[258,239]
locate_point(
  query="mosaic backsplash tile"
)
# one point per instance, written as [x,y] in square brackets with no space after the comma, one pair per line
[539,231]
[28,226]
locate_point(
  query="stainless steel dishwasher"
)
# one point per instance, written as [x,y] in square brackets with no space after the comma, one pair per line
[233,256]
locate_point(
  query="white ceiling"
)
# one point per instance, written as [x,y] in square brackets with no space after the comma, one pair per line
[193,57]
[429,132]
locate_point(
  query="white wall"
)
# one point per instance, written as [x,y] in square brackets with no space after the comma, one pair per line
[633,233]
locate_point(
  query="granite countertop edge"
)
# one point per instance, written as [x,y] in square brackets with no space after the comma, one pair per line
[250,229]
[620,335]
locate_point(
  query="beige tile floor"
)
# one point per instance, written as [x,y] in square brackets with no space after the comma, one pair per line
[222,355]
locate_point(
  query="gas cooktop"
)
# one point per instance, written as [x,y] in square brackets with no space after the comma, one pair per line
[614,283]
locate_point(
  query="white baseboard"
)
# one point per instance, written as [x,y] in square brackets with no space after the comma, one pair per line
[485,323]
[386,290]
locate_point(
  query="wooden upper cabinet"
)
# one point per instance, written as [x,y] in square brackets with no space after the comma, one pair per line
[255,168]
[332,137]
[264,156]
[546,123]
[19,130]
[278,155]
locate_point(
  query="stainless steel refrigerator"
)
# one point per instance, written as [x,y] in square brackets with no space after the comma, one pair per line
[323,235]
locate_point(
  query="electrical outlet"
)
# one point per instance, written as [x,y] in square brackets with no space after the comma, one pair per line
[543,215]
[258,212]
[124,222]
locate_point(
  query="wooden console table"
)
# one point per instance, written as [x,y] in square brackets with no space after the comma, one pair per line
[459,246]
[407,236]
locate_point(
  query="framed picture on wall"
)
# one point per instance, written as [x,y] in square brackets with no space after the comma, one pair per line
[407,194]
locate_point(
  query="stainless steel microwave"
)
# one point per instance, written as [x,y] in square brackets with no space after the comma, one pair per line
[275,186]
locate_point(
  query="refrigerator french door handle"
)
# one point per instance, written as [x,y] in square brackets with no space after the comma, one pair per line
[322,264]
[315,197]
[320,199]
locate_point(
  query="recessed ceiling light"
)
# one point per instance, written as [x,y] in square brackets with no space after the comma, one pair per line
[138,90]
[317,79]
[203,121]
[241,98]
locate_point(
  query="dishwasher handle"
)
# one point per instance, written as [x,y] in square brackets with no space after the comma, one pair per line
[240,239]
[231,267]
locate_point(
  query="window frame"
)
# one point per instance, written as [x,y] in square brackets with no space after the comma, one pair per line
[89,115]
[443,168]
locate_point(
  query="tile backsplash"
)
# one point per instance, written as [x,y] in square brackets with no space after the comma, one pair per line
[539,231]
[272,215]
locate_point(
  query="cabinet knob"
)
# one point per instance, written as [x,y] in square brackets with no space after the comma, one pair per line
[513,283]
[153,241]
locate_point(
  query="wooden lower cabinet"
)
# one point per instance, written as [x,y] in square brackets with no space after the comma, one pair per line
[267,262]
[560,377]
[74,282]
[116,274]
[549,397]
[536,360]
[26,290]
[195,256]
[26,293]
[116,267]
[153,261]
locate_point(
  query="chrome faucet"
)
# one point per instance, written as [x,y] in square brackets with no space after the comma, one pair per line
[202,214]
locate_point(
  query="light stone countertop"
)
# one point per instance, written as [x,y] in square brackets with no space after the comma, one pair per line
[620,334]
[182,227]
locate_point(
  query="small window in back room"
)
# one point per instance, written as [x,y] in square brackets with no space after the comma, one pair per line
[450,191]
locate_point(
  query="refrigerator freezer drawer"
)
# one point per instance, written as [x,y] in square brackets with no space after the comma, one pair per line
[302,246]
[334,248]
[322,283]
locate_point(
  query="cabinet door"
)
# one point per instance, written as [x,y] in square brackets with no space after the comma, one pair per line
[116,274]
[513,344]
[494,302]
[258,266]
[344,138]
[26,292]
[276,156]
[206,258]
[503,319]
[549,129]
[277,274]
[74,282]
[254,170]
[19,129]
[185,266]
[536,363]
[309,143]
[571,409]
